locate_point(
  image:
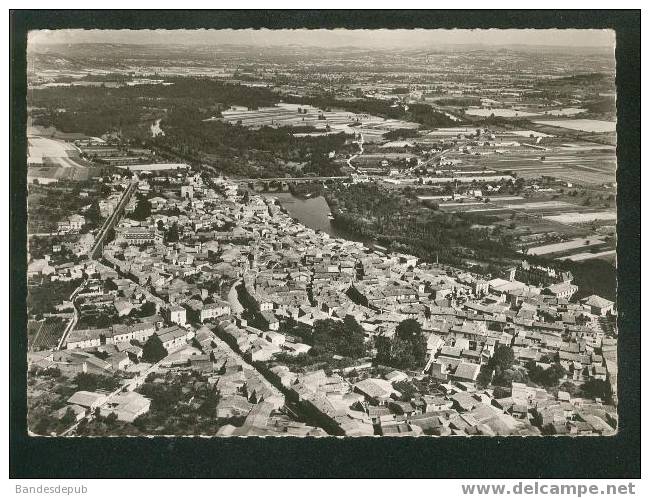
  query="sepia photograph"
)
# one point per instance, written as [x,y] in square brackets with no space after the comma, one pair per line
[311,233]
[324,233]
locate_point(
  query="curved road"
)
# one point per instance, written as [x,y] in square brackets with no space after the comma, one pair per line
[360,144]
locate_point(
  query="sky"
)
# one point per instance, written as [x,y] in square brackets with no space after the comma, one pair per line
[397,38]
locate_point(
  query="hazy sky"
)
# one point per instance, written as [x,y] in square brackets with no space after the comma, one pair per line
[399,38]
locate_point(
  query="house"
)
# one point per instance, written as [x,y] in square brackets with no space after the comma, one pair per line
[233,406]
[135,236]
[86,399]
[436,403]
[173,338]
[176,314]
[598,305]
[377,391]
[269,320]
[201,312]
[74,222]
[466,372]
[402,408]
[119,361]
[86,338]
[396,376]
[138,331]
[127,406]
[562,290]
[275,338]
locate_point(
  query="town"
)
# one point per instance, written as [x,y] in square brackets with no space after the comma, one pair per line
[212,311]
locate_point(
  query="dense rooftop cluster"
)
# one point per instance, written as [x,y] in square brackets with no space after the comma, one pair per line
[217,304]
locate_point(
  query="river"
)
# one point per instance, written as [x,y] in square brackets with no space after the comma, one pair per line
[313,213]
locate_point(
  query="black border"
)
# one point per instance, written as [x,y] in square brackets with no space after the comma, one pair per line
[615,457]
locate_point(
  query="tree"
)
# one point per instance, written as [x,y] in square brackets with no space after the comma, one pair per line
[570,387]
[69,417]
[597,388]
[484,377]
[343,338]
[111,419]
[148,309]
[93,214]
[92,382]
[172,234]
[406,350]
[409,329]
[153,350]
[209,407]
[547,377]
[142,209]
[503,358]
[354,343]
[553,375]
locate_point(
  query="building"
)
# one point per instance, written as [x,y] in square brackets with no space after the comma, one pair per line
[541,275]
[377,391]
[173,338]
[136,236]
[87,338]
[562,290]
[176,314]
[598,305]
[87,400]
[73,222]
[127,406]
[270,321]
[138,331]
[201,312]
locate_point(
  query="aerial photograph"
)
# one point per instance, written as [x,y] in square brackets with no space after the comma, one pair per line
[317,233]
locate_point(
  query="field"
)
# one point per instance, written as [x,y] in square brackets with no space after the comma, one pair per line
[588,125]
[583,217]
[48,151]
[583,256]
[501,113]
[51,160]
[45,334]
[286,115]
[565,246]
[579,162]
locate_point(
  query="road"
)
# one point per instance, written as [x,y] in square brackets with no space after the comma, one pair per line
[360,144]
[233,299]
[75,317]
[293,179]
[111,221]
